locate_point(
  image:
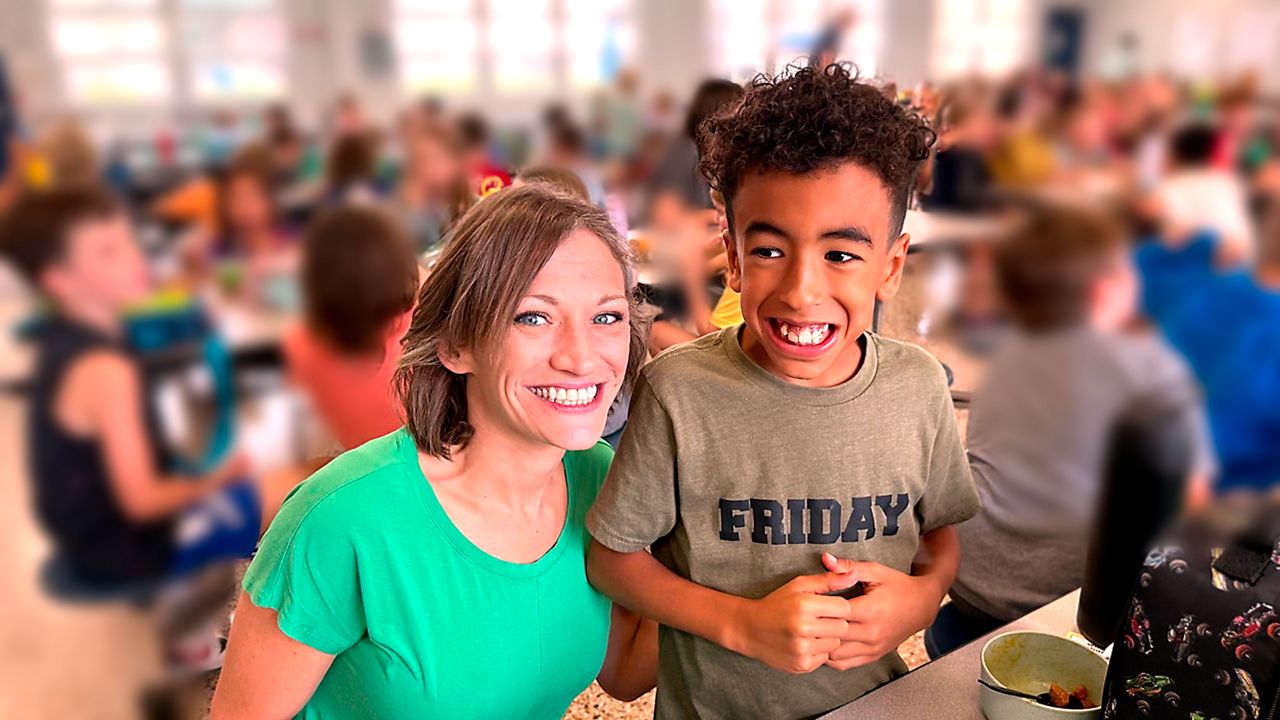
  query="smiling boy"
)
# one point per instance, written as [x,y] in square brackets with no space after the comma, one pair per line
[755,456]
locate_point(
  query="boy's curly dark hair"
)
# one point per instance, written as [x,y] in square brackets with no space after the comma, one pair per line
[806,119]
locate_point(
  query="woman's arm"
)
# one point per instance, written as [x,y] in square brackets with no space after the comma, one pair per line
[267,674]
[631,662]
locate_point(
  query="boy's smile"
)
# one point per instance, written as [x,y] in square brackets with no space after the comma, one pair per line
[810,255]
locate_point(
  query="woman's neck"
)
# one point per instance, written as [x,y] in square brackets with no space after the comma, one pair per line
[506,470]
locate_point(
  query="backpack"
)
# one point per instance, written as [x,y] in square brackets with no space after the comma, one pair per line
[1201,636]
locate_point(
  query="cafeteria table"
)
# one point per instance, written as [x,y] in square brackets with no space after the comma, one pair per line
[948,687]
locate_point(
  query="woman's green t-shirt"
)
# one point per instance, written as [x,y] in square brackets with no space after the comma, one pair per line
[363,563]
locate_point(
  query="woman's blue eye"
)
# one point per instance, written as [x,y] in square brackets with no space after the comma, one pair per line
[840,257]
[607,318]
[767,252]
[532,319]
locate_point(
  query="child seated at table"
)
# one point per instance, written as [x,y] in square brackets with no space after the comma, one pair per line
[1196,196]
[102,487]
[1227,326]
[250,240]
[1038,426]
[359,280]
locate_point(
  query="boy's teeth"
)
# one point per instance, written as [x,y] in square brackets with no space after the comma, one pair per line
[807,335]
[567,396]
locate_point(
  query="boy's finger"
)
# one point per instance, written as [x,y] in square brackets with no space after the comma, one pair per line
[832,628]
[851,648]
[822,583]
[864,571]
[826,606]
[837,565]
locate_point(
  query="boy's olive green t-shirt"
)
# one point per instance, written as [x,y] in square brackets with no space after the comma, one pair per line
[364,563]
[739,481]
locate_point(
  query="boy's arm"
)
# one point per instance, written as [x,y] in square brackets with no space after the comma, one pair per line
[106,387]
[792,629]
[631,661]
[895,605]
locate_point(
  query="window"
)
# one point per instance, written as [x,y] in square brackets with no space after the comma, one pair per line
[755,36]
[978,36]
[438,45]
[522,44]
[510,46]
[113,51]
[235,49]
[598,38]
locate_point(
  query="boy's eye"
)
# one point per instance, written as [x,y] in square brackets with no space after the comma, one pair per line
[841,257]
[766,252]
[607,318]
[532,319]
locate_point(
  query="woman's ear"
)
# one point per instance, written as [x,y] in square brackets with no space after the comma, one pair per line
[459,361]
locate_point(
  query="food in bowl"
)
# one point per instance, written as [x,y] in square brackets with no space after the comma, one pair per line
[1058,697]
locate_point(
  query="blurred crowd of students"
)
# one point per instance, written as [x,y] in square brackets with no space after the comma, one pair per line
[1154,273]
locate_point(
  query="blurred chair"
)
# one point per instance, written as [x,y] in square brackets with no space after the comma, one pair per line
[1144,484]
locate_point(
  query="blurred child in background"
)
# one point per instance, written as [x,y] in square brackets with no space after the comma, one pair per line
[567,150]
[1197,196]
[486,176]
[1227,326]
[434,191]
[1039,427]
[563,180]
[351,171]
[359,278]
[96,457]
[104,490]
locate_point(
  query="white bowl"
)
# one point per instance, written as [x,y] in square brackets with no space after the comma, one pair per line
[1030,661]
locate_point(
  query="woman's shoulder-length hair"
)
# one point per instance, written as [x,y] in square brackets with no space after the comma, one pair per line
[490,260]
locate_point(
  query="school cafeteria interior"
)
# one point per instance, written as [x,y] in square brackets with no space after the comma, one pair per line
[751,358]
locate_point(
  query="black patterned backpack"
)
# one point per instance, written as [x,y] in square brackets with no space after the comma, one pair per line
[1201,637]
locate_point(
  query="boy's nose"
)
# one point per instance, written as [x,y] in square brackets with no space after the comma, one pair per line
[803,286]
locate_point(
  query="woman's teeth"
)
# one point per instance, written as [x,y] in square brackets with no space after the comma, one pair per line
[805,334]
[567,396]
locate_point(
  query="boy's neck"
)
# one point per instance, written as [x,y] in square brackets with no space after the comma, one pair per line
[97,317]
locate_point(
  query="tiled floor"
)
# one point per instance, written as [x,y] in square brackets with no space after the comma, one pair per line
[59,661]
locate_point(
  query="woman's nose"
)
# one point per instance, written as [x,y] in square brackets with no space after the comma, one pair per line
[574,351]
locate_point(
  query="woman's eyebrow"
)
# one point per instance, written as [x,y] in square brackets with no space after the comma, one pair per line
[552,301]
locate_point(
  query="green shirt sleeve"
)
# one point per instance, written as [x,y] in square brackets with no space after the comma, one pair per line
[637,504]
[306,570]
[949,495]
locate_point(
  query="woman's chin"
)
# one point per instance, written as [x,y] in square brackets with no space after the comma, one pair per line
[576,439]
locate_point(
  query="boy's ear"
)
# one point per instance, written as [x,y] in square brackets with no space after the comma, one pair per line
[733,263]
[459,361]
[894,264]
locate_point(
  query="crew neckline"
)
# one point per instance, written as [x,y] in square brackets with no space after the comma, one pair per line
[846,391]
[463,544]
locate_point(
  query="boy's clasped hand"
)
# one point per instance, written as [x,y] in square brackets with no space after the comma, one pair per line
[803,625]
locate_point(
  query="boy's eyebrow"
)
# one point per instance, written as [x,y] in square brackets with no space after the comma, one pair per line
[852,234]
[760,226]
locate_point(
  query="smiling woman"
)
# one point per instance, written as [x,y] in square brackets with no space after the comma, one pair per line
[441,570]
